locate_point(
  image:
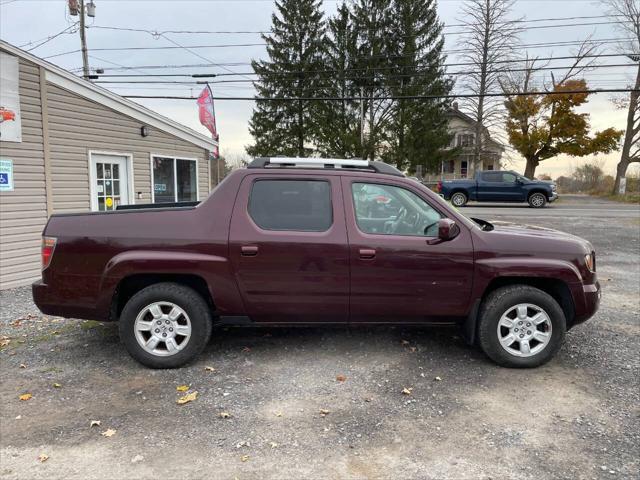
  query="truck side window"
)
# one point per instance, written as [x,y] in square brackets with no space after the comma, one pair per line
[389,210]
[295,205]
[508,178]
[491,176]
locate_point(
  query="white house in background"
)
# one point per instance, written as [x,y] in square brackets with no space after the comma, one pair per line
[463,128]
[68,145]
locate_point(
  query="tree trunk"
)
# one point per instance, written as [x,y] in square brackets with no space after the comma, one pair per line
[530,169]
[621,170]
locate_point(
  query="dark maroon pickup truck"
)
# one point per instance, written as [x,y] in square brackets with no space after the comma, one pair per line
[310,241]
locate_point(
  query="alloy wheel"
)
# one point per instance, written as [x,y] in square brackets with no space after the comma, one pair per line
[162,329]
[524,330]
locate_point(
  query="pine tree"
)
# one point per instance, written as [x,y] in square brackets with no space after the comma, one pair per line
[339,130]
[373,23]
[418,127]
[294,47]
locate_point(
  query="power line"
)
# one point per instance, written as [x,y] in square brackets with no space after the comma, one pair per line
[458,64]
[235,45]
[391,97]
[49,38]
[407,75]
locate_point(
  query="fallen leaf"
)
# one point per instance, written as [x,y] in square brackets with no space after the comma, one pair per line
[324,412]
[22,365]
[110,432]
[437,379]
[43,457]
[4,341]
[273,444]
[244,458]
[182,388]
[19,417]
[95,423]
[209,369]
[405,342]
[341,378]
[278,414]
[413,349]
[25,396]
[137,458]
[57,385]
[407,391]
[224,415]
[246,349]
[190,397]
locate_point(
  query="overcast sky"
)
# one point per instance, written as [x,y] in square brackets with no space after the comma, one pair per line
[27,23]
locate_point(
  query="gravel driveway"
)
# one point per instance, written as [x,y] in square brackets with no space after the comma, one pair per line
[329,403]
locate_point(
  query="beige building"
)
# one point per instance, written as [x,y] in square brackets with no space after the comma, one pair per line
[67,145]
[463,128]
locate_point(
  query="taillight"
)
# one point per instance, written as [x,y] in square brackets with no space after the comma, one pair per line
[48,246]
[439,187]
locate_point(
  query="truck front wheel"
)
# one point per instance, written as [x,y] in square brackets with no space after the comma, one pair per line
[165,325]
[520,326]
[537,200]
[459,199]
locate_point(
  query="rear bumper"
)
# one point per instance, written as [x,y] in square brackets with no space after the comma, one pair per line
[47,299]
[589,302]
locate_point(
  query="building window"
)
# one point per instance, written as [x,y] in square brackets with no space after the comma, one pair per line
[463,168]
[448,166]
[174,180]
[466,140]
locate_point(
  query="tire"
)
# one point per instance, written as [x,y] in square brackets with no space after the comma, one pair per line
[543,339]
[537,200]
[459,199]
[185,321]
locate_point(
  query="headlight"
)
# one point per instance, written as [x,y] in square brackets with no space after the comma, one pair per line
[590,261]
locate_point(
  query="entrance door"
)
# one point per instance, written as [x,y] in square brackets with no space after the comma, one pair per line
[109,181]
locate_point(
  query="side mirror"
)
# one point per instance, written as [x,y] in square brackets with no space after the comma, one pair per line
[447,229]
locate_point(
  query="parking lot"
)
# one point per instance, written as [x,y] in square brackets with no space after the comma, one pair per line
[329,403]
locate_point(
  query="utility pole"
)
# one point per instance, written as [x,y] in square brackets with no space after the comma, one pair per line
[362,120]
[83,42]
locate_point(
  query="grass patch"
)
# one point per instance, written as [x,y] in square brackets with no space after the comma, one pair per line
[633,197]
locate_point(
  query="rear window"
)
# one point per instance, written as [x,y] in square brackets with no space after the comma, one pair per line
[492,176]
[295,205]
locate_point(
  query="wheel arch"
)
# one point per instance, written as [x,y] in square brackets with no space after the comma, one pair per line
[538,190]
[130,285]
[556,288]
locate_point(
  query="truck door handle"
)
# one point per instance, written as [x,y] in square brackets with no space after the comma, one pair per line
[367,253]
[249,251]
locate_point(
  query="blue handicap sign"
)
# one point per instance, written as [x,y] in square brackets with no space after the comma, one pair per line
[4,179]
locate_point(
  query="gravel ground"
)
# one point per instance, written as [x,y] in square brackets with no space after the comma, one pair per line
[289,416]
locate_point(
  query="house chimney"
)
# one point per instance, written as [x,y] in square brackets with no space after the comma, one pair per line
[455,105]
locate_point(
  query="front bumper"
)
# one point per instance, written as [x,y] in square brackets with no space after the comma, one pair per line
[553,197]
[591,295]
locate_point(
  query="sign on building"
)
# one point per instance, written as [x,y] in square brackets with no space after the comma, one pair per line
[10,119]
[6,175]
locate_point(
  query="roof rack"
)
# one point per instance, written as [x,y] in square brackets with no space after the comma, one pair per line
[354,163]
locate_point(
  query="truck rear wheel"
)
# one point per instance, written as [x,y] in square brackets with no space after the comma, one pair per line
[521,326]
[537,200]
[165,325]
[459,199]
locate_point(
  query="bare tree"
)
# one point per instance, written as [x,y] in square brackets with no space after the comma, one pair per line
[490,39]
[627,14]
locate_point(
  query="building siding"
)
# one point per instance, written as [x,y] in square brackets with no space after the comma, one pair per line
[78,125]
[75,126]
[23,212]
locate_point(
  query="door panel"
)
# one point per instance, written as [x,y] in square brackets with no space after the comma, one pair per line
[499,187]
[401,278]
[286,275]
